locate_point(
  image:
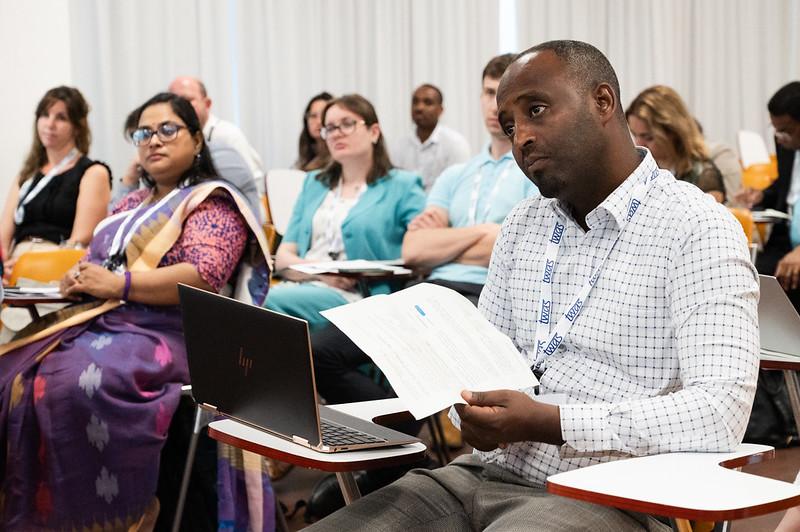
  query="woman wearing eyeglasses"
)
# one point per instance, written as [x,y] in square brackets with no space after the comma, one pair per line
[60,194]
[88,394]
[313,152]
[357,207]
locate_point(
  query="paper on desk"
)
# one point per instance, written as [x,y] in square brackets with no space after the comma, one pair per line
[432,343]
[752,149]
[770,215]
[337,266]
[39,290]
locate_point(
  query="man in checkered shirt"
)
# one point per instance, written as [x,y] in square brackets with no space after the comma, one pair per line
[660,355]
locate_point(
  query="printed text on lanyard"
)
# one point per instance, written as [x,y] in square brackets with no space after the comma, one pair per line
[547,342]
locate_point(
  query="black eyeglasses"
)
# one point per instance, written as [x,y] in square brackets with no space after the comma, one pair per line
[346,126]
[166,131]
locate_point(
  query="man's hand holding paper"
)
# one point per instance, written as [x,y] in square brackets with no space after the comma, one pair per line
[432,343]
[497,418]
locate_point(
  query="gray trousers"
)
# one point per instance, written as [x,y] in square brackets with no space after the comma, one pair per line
[467,495]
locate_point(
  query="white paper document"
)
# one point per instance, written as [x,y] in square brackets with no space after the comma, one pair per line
[349,266]
[432,343]
[37,290]
[770,215]
[752,149]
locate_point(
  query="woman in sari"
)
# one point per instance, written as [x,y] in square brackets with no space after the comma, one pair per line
[88,395]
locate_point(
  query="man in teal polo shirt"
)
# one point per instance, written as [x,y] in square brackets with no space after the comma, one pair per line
[453,238]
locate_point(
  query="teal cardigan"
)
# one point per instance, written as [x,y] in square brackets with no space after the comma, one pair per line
[374,227]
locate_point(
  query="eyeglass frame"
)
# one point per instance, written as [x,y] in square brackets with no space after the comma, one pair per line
[327,131]
[157,132]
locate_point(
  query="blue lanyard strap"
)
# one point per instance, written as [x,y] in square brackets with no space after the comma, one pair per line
[547,342]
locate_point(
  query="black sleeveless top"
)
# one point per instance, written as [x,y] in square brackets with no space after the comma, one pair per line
[51,213]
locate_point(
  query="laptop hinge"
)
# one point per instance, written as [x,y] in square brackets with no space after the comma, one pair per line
[300,440]
[211,408]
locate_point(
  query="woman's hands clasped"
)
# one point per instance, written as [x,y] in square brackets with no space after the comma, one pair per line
[91,279]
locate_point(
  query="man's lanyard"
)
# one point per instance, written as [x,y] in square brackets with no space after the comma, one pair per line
[127,228]
[547,342]
[476,186]
[333,230]
[27,195]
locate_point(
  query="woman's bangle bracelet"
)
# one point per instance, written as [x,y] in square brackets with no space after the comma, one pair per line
[127,289]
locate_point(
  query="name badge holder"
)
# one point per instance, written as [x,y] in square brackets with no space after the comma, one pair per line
[547,342]
[116,260]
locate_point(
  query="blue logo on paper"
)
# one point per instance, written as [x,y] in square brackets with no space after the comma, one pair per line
[554,343]
[539,346]
[548,271]
[594,277]
[544,315]
[632,209]
[558,230]
[574,311]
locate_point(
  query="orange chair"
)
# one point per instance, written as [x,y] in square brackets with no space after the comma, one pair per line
[745,217]
[45,266]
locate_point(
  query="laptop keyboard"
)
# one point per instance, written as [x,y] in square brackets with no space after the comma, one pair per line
[334,435]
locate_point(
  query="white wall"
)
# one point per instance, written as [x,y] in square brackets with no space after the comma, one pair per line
[35,56]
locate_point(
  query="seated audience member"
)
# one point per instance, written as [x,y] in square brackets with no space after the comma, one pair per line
[228,164]
[234,159]
[779,257]
[60,194]
[433,146]
[652,360]
[660,122]
[87,397]
[312,150]
[452,239]
[727,162]
[358,207]
[214,128]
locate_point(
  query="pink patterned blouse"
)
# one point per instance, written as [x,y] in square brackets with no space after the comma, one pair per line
[213,238]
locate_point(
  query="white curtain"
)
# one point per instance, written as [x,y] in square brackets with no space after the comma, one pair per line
[262,61]
[725,57]
[125,52]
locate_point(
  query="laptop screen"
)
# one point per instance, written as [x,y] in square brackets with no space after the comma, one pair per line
[250,363]
[778,321]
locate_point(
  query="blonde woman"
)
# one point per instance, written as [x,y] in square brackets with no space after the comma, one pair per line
[660,121]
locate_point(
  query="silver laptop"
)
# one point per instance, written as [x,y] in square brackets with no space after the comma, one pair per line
[255,366]
[778,321]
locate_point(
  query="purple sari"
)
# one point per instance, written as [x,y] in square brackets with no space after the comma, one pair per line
[85,405]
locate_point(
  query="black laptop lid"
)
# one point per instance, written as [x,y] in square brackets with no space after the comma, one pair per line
[250,363]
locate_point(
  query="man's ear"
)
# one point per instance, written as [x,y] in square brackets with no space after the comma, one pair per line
[605,102]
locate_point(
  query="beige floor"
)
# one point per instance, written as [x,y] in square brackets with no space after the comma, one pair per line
[298,483]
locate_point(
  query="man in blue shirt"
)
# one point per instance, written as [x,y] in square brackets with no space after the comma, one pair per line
[452,239]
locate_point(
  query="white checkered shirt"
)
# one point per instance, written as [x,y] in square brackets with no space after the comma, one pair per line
[664,355]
